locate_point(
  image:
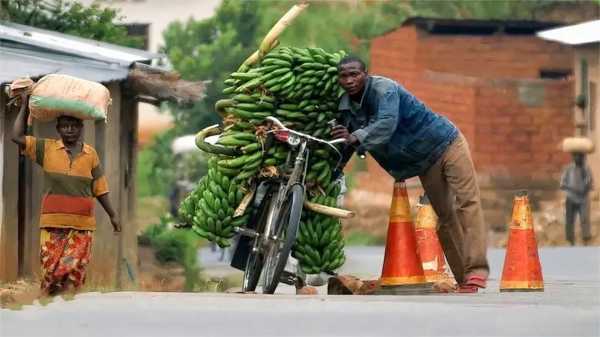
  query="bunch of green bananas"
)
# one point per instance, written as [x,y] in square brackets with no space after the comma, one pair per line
[320,245]
[298,86]
[209,208]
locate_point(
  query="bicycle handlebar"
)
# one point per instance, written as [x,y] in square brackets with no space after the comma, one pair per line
[330,143]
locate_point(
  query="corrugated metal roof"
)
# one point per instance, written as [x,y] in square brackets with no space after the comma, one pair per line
[16,63]
[582,33]
[73,45]
[28,51]
[478,26]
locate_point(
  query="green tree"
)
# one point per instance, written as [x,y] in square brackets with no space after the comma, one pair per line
[69,17]
[211,49]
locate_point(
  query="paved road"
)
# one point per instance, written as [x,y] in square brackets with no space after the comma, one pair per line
[570,306]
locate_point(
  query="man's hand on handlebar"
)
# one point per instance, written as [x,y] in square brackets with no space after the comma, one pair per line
[340,131]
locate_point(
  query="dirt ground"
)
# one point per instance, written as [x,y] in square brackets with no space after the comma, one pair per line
[14,295]
[154,276]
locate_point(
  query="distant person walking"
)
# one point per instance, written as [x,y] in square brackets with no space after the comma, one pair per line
[73,178]
[577,182]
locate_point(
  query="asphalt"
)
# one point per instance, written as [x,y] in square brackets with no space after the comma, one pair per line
[569,306]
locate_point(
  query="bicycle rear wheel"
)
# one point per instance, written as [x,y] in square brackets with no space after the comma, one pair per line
[285,229]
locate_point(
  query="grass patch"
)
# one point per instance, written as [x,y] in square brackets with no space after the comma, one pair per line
[218,284]
[362,238]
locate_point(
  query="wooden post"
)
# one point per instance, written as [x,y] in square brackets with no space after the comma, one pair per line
[127,257]
[2,237]
[9,191]
[103,268]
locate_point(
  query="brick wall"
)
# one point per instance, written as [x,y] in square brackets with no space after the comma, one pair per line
[406,52]
[517,138]
[395,56]
[495,56]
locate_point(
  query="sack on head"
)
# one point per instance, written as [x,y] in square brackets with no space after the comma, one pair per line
[578,145]
[56,95]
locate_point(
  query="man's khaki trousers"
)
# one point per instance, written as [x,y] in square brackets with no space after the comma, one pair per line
[452,188]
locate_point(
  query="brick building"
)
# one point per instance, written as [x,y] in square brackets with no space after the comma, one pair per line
[507,90]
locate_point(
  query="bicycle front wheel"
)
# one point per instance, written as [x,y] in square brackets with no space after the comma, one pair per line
[285,230]
[255,261]
[254,266]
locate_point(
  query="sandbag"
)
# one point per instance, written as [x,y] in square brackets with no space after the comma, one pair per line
[56,95]
[577,145]
[19,86]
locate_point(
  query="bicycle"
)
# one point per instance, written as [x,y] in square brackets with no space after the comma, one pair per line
[271,232]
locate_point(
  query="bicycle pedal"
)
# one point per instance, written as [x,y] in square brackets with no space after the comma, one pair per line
[246,232]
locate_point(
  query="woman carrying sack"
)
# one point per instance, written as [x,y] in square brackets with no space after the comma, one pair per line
[73,178]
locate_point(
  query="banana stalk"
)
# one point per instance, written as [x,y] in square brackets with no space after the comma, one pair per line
[330,211]
[210,148]
[270,41]
[241,209]
[279,27]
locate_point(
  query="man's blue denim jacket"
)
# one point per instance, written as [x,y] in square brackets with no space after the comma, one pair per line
[399,131]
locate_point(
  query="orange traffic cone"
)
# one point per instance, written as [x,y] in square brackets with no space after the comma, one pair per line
[428,244]
[401,265]
[522,270]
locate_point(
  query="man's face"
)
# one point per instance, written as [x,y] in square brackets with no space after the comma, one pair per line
[352,77]
[69,129]
[579,159]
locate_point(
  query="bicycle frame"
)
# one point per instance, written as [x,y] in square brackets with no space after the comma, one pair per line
[265,238]
[296,177]
[299,171]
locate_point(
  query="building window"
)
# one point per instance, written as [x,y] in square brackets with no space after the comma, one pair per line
[141,30]
[555,74]
[584,93]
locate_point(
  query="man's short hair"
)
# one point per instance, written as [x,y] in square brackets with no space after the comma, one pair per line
[350,59]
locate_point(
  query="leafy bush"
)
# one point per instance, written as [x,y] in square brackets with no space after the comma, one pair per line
[156,172]
[177,246]
[150,233]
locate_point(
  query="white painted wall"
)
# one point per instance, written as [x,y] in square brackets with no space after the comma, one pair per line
[591,53]
[159,13]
